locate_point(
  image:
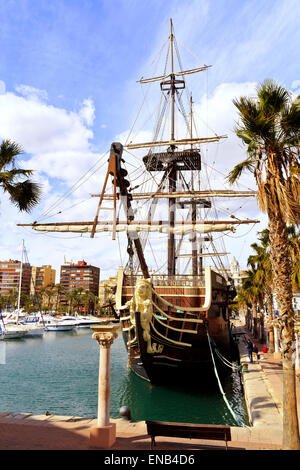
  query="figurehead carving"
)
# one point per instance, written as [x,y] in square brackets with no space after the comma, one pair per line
[142,302]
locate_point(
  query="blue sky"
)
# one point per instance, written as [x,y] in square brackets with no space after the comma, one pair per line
[68,72]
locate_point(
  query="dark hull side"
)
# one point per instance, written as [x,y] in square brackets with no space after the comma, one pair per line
[193,365]
[180,350]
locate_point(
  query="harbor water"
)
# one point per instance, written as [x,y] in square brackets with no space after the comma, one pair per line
[58,373]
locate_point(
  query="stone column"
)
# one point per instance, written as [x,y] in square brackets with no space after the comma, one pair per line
[104,434]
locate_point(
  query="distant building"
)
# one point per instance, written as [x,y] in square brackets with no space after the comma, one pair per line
[107,289]
[295,303]
[10,277]
[236,274]
[42,276]
[81,274]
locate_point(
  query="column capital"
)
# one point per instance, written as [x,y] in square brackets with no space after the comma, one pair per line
[105,335]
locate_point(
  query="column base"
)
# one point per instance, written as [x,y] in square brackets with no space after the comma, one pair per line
[277,355]
[103,436]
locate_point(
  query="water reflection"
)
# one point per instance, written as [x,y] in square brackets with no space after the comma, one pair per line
[196,404]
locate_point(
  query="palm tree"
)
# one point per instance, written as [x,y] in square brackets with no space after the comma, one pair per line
[59,292]
[252,291]
[90,300]
[270,127]
[24,194]
[242,302]
[265,260]
[294,244]
[76,298]
[264,276]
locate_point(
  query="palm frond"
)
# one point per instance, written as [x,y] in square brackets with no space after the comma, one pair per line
[272,97]
[25,195]
[8,152]
[11,175]
[237,171]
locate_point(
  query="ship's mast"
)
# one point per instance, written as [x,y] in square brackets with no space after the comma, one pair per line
[194,206]
[172,169]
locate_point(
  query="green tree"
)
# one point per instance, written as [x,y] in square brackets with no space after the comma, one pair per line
[270,128]
[262,263]
[251,290]
[24,194]
[59,292]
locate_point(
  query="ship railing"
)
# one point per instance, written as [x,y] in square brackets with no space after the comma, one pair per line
[165,281]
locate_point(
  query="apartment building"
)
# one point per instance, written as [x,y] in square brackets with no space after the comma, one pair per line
[107,289]
[42,276]
[10,277]
[80,274]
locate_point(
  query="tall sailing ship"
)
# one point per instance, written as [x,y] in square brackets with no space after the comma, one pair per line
[167,317]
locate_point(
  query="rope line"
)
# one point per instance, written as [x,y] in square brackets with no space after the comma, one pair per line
[237,420]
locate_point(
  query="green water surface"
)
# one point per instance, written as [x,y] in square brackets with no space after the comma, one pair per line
[59,373]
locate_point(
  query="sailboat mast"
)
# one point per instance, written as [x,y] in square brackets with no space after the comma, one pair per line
[172,169]
[20,282]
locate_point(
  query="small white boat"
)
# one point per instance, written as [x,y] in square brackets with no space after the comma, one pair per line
[29,324]
[56,324]
[12,332]
[86,322]
[70,319]
[34,330]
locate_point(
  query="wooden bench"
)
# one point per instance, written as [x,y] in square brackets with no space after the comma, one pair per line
[190,431]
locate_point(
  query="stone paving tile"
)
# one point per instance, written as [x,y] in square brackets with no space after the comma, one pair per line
[20,415]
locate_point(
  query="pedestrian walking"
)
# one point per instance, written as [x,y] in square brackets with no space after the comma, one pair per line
[250,349]
[255,352]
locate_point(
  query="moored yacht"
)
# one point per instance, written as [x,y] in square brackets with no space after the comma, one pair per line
[11,332]
[57,324]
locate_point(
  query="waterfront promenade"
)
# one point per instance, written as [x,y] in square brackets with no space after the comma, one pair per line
[263,394]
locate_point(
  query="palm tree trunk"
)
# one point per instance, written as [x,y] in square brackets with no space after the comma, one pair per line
[261,321]
[254,316]
[269,299]
[281,266]
[249,319]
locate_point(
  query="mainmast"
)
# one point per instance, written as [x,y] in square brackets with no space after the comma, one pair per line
[194,207]
[172,169]
[172,160]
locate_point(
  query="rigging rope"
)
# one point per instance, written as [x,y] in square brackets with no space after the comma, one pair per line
[75,186]
[238,421]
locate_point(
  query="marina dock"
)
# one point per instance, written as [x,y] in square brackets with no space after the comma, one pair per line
[263,395]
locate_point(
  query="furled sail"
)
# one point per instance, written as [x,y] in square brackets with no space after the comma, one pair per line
[176,142]
[181,228]
[184,194]
[177,74]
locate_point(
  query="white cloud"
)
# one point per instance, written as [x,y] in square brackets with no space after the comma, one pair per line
[87,112]
[2,87]
[32,93]
[295,84]
[58,140]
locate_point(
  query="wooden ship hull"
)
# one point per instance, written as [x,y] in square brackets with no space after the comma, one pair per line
[173,340]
